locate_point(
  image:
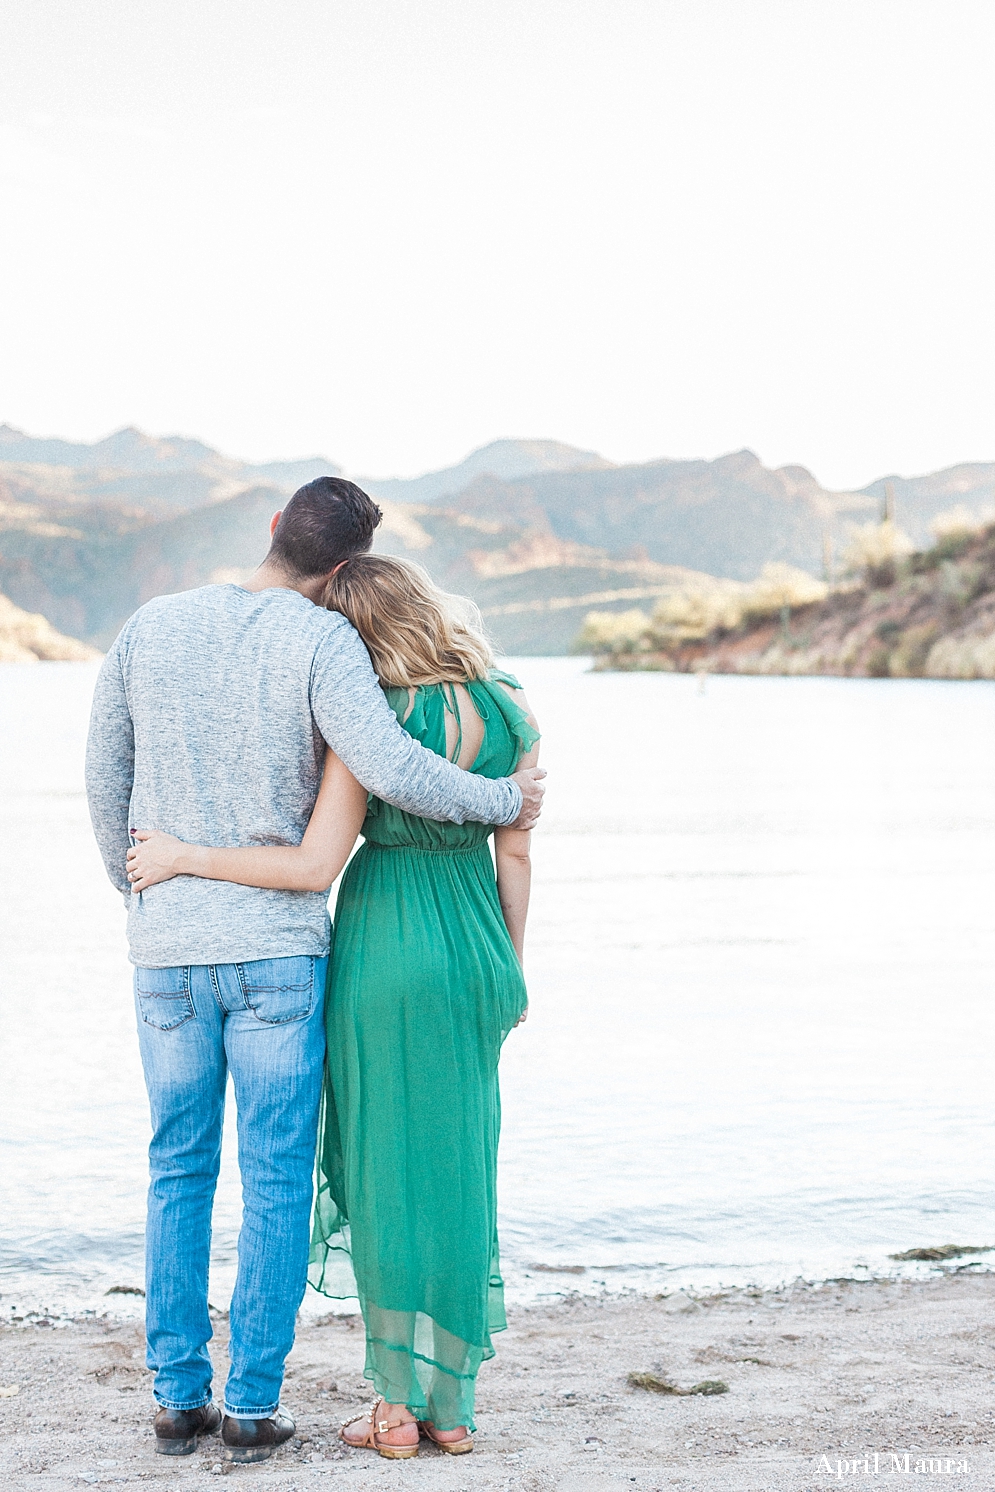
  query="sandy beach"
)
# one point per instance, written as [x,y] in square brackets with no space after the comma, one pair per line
[839,1371]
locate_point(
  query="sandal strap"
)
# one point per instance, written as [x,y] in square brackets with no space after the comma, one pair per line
[384,1426]
[369,1438]
[375,1426]
[366,1413]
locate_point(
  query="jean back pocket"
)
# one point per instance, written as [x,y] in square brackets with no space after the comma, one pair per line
[277,990]
[164,997]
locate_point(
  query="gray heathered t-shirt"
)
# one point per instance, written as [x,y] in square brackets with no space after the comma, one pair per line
[209,720]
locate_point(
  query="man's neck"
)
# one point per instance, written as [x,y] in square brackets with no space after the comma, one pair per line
[271,577]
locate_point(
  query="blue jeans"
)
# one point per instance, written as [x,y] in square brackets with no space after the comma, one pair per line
[264,1022]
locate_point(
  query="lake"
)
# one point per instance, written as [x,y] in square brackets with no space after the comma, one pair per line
[761,963]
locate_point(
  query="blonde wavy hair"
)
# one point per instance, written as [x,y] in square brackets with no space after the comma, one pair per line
[415,632]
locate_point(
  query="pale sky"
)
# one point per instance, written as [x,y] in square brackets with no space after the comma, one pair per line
[391,230]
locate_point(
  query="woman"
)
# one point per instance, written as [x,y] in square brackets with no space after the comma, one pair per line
[425,982]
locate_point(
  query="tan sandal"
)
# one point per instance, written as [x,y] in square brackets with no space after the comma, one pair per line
[451,1447]
[377,1427]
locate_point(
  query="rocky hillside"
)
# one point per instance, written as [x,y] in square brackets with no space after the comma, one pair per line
[28,638]
[73,548]
[90,569]
[90,532]
[533,589]
[538,532]
[930,614]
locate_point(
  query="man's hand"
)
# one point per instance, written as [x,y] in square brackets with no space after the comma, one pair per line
[529,779]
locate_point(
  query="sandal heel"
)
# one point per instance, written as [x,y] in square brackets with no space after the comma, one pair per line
[456,1447]
[451,1447]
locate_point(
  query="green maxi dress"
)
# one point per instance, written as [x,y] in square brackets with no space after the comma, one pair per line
[423,987]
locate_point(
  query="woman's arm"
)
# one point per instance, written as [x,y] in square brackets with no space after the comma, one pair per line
[514,879]
[310,866]
[513,859]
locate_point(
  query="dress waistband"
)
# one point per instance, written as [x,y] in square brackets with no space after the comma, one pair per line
[418,849]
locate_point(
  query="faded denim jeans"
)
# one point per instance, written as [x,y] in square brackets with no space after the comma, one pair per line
[264,1022]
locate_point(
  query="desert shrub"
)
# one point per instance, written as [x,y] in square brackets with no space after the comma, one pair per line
[874,551]
[964,582]
[779,586]
[908,658]
[960,524]
[962,658]
[951,546]
[878,664]
[693,614]
[612,632]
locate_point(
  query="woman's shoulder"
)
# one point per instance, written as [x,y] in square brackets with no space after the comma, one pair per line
[502,676]
[506,691]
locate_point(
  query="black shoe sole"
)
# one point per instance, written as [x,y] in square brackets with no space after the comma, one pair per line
[244,1455]
[176,1447]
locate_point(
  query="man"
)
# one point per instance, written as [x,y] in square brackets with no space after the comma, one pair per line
[210,719]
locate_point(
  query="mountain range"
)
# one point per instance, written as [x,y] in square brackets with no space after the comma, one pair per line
[536,531]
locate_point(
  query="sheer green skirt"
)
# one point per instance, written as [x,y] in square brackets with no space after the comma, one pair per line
[424,985]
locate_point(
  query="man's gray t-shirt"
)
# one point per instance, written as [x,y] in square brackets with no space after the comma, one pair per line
[209,721]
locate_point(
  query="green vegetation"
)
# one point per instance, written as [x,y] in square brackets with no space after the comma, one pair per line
[655,1383]
[943,1251]
[899,613]
[700,610]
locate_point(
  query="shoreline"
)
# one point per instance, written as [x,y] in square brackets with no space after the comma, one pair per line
[527,1286]
[838,1370]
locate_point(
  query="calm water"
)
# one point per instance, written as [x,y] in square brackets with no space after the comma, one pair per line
[761,963]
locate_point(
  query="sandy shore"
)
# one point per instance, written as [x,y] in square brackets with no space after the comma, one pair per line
[837,1371]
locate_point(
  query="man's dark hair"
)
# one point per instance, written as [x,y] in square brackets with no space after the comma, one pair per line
[325,522]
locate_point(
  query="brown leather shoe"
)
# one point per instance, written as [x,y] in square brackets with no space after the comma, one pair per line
[255,1439]
[177,1430]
